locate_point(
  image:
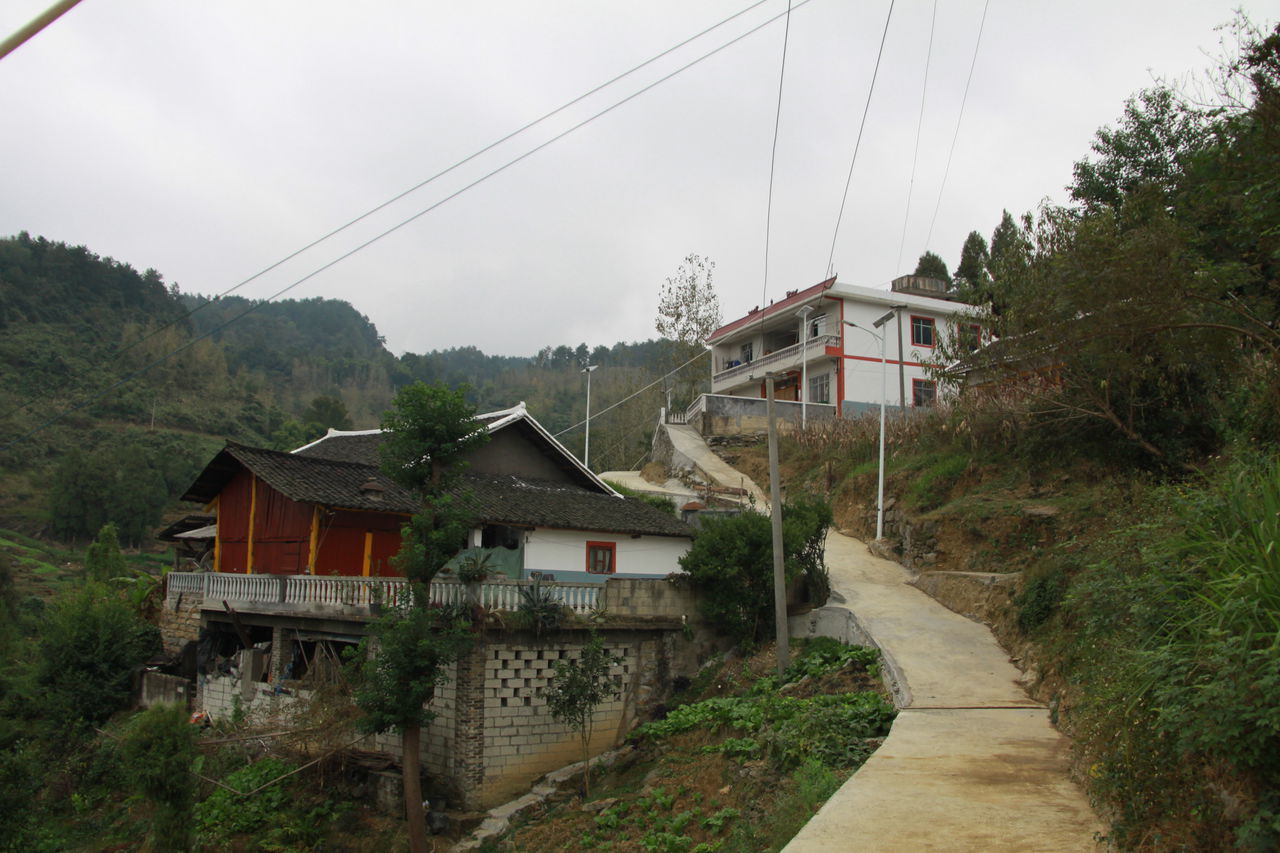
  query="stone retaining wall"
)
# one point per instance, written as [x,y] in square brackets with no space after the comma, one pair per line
[179,621]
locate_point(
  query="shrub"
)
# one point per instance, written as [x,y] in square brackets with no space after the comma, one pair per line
[158,751]
[90,643]
[731,559]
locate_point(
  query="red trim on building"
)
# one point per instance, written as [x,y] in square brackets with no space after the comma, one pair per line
[769,310]
[886,361]
[933,325]
[933,389]
[611,548]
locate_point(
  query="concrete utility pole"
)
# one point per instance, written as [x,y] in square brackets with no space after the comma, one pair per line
[779,576]
[586,447]
[902,379]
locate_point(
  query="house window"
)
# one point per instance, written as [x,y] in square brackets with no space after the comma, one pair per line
[746,353]
[820,389]
[924,392]
[602,558]
[921,331]
[817,325]
[970,335]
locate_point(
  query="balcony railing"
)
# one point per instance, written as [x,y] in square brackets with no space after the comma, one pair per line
[302,592]
[815,346]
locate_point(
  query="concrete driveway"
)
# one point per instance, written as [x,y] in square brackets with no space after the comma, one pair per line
[972,763]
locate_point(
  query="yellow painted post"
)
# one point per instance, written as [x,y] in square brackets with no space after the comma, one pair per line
[253,512]
[315,539]
[368,552]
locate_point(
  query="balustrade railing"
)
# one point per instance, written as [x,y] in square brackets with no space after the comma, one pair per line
[811,350]
[324,592]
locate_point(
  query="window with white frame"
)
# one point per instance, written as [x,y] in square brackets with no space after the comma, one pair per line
[922,331]
[820,388]
[746,353]
[817,325]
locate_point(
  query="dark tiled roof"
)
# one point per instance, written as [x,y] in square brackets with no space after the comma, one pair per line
[345,448]
[497,499]
[506,499]
[323,481]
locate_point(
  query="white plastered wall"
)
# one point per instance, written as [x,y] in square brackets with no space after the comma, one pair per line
[548,550]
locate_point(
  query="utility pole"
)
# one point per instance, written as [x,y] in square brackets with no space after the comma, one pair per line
[586,446]
[782,630]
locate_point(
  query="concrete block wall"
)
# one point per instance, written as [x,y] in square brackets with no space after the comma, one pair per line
[624,598]
[158,688]
[521,740]
[437,748]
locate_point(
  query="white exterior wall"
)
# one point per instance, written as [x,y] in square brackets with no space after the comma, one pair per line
[560,551]
[862,370]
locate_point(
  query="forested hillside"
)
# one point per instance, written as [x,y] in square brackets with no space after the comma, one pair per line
[115,387]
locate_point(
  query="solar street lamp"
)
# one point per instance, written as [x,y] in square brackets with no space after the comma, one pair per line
[880,336]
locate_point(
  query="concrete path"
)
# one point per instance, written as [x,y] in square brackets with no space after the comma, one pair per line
[972,764]
[689,444]
[672,488]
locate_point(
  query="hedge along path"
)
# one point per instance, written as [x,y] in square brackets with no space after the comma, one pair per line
[972,763]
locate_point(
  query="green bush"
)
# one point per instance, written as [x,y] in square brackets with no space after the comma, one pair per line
[731,559]
[1040,597]
[159,752]
[90,642]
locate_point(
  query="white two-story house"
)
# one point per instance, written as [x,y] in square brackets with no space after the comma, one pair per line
[834,368]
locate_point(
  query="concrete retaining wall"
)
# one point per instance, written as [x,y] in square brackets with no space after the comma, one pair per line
[724,415]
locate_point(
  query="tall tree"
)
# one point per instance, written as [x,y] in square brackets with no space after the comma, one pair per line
[327,412]
[430,428]
[932,266]
[1150,148]
[971,280]
[688,312]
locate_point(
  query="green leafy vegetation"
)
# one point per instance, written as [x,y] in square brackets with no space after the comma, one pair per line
[738,772]
[732,557]
[578,687]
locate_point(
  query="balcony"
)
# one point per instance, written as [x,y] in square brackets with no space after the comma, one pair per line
[349,596]
[780,359]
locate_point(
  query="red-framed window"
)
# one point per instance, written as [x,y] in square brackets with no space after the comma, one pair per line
[924,392]
[602,558]
[970,335]
[922,331]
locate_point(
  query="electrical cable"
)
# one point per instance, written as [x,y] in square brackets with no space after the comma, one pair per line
[409,191]
[134,374]
[636,394]
[915,156]
[773,156]
[941,189]
[858,143]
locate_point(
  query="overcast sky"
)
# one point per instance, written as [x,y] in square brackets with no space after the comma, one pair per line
[210,140]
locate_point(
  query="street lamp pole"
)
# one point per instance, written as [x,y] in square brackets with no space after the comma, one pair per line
[879,324]
[586,447]
[803,314]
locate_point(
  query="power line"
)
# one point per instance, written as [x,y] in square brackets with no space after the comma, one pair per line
[405,193]
[978,43]
[773,156]
[636,394]
[134,374]
[915,156]
[858,143]
[44,19]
